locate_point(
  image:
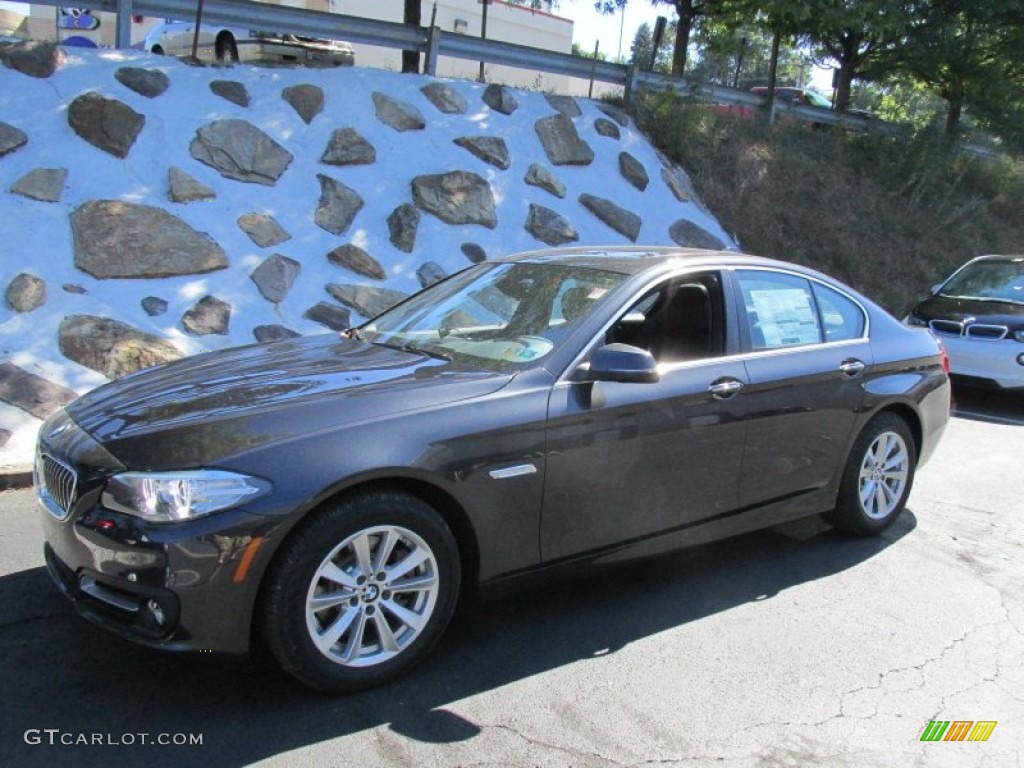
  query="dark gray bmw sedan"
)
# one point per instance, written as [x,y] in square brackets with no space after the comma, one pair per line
[334,495]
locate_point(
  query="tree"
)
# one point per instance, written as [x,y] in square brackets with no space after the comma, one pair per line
[969,53]
[642,49]
[858,35]
[785,20]
[687,11]
[736,52]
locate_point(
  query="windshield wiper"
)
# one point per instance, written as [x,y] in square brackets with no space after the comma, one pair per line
[408,346]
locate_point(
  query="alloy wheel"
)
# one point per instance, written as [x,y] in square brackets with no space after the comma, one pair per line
[883,475]
[372,595]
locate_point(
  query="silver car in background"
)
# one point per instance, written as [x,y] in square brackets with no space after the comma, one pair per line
[978,315]
[174,38]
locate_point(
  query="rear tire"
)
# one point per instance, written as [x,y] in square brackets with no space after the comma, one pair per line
[877,478]
[159,51]
[361,592]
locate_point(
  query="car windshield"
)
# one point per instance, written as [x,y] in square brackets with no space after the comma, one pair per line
[495,316]
[994,280]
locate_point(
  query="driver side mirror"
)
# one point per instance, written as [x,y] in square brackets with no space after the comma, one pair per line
[621,363]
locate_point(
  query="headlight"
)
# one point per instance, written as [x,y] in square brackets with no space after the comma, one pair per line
[1018,335]
[163,497]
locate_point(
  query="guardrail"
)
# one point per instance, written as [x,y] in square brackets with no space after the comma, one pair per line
[434,43]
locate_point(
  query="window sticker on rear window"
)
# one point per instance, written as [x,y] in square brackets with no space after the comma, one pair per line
[785,316]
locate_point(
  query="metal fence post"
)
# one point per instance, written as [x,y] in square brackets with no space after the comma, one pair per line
[433,44]
[123,25]
[630,83]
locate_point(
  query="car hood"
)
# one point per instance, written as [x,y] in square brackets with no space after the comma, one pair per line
[344,381]
[983,310]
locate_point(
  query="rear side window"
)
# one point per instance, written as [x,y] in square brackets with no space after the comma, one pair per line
[841,318]
[780,310]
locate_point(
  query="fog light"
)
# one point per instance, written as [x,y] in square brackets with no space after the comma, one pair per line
[132,577]
[156,613]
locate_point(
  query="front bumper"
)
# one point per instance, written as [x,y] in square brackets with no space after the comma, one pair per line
[188,586]
[985,360]
[175,588]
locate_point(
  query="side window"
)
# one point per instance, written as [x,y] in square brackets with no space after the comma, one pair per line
[780,309]
[841,317]
[680,320]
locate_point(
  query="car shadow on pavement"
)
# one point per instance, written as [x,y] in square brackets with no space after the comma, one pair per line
[65,674]
[993,406]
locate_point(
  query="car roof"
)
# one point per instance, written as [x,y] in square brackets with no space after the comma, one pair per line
[630,260]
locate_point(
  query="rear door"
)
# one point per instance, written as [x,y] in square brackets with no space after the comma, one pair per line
[807,355]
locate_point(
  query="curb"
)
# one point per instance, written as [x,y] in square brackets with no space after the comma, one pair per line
[15,477]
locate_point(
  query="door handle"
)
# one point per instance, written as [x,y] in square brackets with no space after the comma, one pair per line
[723,389]
[851,367]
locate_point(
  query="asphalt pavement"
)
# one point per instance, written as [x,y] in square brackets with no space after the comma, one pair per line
[795,648]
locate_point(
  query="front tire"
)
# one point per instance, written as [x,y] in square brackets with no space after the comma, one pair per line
[877,478]
[362,592]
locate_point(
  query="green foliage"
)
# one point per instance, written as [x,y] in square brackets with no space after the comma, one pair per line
[889,215]
[577,50]
[857,35]
[732,52]
[889,53]
[968,52]
[688,12]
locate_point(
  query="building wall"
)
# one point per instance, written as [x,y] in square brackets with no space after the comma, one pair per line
[505,22]
[47,22]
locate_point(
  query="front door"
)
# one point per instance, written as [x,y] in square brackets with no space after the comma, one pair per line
[631,461]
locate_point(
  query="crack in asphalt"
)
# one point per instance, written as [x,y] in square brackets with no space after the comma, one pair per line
[549,745]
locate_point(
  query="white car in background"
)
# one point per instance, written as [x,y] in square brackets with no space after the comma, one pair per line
[978,315]
[174,38]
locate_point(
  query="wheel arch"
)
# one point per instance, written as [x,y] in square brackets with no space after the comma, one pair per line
[911,418]
[450,510]
[442,502]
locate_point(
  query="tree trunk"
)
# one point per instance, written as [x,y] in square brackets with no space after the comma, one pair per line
[956,105]
[412,16]
[686,16]
[844,84]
